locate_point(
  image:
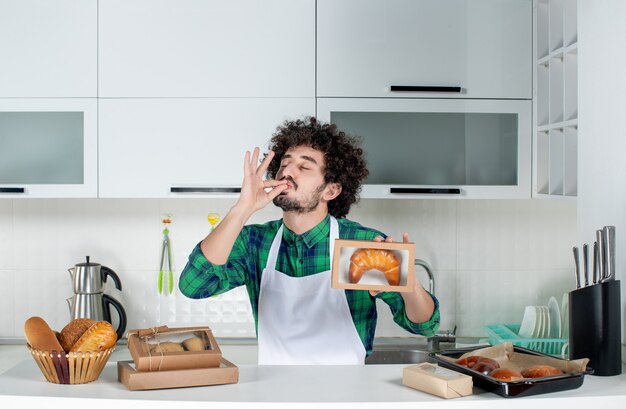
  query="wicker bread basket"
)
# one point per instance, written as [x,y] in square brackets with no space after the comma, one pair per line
[71,368]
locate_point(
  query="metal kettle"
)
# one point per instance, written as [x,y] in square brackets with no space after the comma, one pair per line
[89,300]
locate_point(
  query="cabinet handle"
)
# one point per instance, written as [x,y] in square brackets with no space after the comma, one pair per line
[424,88]
[12,190]
[425,190]
[175,189]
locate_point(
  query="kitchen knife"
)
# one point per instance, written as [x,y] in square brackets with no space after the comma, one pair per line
[586,263]
[600,240]
[577,267]
[609,261]
[594,276]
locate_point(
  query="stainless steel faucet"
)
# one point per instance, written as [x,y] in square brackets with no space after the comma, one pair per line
[431,277]
[441,336]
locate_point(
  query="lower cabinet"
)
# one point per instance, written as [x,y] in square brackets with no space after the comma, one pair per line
[175,147]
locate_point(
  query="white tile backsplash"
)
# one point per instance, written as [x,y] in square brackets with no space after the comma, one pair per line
[490,257]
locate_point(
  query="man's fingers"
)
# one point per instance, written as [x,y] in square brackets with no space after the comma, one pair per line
[246,163]
[278,189]
[378,238]
[266,162]
[405,237]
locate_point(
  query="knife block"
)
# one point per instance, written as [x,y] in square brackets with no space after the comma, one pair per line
[595,327]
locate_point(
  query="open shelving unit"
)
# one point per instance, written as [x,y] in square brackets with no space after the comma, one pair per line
[555,99]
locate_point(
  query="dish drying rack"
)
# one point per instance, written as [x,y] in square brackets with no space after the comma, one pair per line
[500,333]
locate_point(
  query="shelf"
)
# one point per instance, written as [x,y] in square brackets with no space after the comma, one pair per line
[556,99]
[565,124]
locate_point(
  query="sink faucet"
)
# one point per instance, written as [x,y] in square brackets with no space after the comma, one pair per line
[431,277]
[442,336]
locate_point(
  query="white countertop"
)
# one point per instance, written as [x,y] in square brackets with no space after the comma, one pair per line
[277,386]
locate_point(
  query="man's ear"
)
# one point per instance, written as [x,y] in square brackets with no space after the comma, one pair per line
[332,191]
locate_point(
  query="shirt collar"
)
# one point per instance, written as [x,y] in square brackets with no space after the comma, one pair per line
[311,237]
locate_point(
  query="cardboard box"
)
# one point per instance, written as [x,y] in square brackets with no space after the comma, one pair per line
[433,379]
[135,380]
[372,278]
[164,349]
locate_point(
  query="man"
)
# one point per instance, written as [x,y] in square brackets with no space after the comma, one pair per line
[314,175]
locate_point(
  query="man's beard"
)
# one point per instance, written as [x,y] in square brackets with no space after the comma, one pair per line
[293,205]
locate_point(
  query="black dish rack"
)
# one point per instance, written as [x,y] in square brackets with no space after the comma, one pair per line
[512,389]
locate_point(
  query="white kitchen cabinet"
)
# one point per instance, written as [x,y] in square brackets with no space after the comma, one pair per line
[439,148]
[555,106]
[172,147]
[48,147]
[483,47]
[48,48]
[198,48]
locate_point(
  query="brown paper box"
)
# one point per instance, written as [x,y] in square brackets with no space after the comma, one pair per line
[433,379]
[372,279]
[134,380]
[141,345]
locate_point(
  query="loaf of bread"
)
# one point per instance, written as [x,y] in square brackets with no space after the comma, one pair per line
[73,331]
[167,347]
[98,337]
[363,260]
[539,371]
[40,336]
[194,344]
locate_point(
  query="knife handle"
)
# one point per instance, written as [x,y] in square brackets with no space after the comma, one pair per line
[609,260]
[601,254]
[576,266]
[586,263]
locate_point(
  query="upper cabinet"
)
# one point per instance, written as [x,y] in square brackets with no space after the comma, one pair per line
[48,48]
[198,48]
[174,147]
[555,102]
[48,147]
[425,48]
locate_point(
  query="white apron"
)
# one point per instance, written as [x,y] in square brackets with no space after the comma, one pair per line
[302,320]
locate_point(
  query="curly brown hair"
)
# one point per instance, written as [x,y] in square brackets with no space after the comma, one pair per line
[343,157]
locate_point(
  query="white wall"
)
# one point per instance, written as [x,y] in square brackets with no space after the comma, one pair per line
[491,257]
[602,128]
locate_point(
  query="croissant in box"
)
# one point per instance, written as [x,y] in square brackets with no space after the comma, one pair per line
[363,260]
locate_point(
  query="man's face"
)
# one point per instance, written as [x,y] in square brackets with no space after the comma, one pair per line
[303,168]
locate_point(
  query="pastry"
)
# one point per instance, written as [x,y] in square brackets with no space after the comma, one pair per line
[505,374]
[40,336]
[194,344]
[98,337]
[73,331]
[167,347]
[363,260]
[538,371]
[485,365]
[468,361]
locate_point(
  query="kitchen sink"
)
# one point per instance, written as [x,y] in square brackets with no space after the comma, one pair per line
[398,356]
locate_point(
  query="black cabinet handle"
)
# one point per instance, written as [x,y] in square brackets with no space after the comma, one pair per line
[425,190]
[12,190]
[175,189]
[424,88]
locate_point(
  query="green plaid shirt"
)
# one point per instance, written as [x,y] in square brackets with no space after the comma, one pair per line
[298,256]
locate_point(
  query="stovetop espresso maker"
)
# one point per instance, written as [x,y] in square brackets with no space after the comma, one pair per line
[89,299]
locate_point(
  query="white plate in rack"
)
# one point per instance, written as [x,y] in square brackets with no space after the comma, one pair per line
[529,321]
[555,318]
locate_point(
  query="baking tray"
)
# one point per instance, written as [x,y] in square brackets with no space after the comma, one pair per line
[513,389]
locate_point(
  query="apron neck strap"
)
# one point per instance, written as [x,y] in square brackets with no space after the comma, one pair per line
[273,255]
